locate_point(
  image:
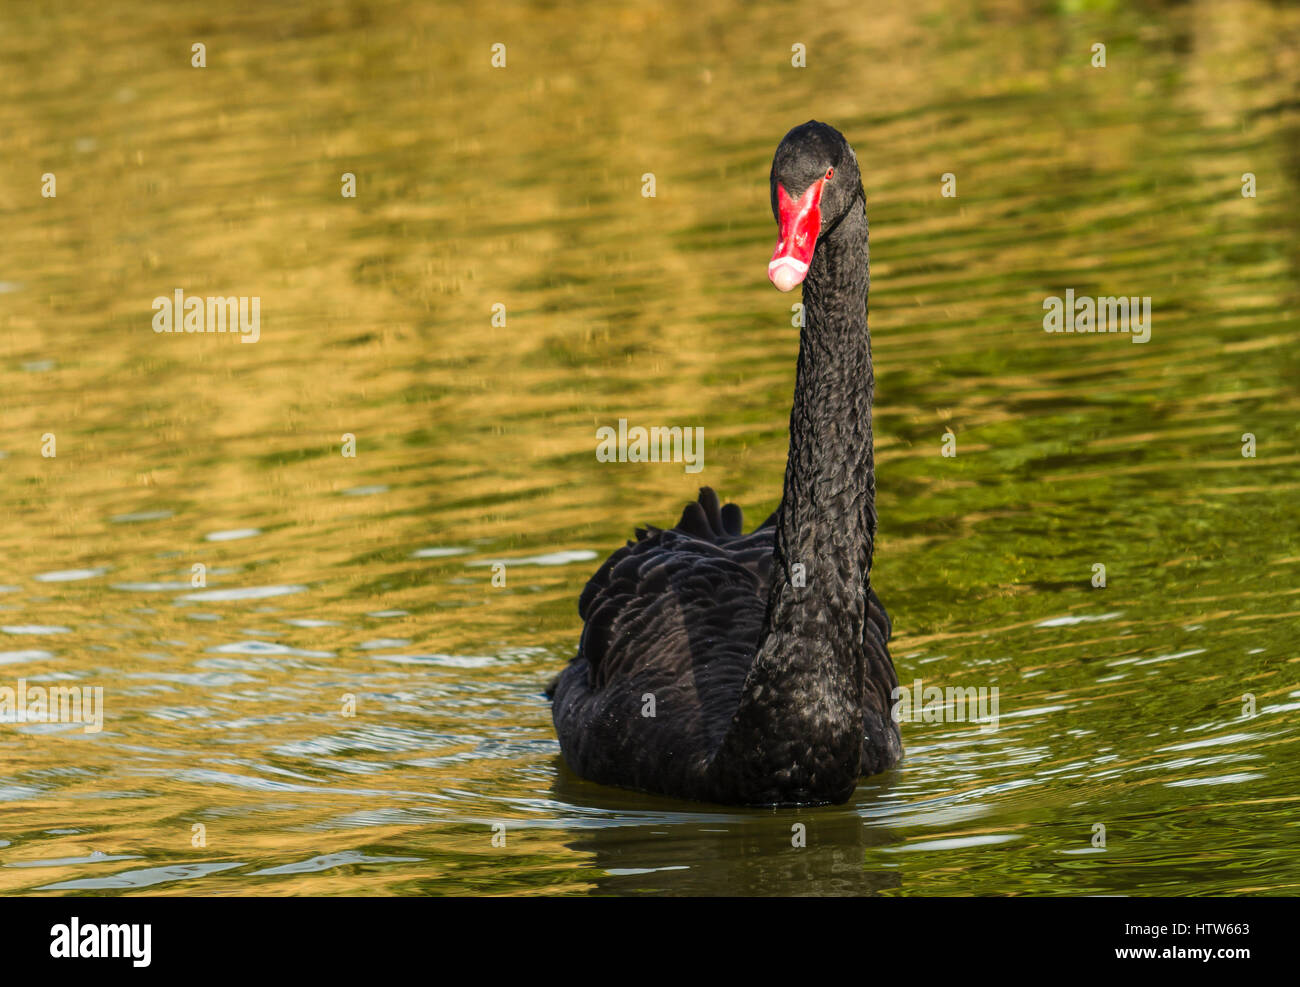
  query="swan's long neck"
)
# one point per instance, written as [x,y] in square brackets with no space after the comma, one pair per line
[799,727]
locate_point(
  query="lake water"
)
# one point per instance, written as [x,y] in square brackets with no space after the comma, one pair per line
[328,576]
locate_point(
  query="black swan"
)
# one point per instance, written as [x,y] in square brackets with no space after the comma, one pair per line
[753,669]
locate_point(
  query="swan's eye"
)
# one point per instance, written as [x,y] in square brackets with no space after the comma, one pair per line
[830,173]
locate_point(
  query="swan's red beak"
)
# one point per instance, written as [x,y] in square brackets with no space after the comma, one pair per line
[800,222]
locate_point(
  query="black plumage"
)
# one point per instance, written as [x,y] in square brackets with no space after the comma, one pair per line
[754,669]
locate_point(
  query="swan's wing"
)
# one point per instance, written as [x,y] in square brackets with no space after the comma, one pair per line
[671,623]
[699,568]
[675,615]
[882,744]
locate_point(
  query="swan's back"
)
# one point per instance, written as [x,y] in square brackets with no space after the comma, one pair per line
[671,626]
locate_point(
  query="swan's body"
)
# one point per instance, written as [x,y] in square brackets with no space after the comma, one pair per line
[753,668]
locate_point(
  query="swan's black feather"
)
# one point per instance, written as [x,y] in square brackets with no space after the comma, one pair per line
[676,615]
[755,668]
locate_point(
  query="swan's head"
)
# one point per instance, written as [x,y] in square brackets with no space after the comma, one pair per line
[815,180]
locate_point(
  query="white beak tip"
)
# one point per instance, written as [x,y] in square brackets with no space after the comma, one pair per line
[786,272]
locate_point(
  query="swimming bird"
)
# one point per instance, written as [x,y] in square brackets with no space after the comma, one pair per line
[754,669]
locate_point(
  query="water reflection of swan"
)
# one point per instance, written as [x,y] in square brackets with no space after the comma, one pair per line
[658,846]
